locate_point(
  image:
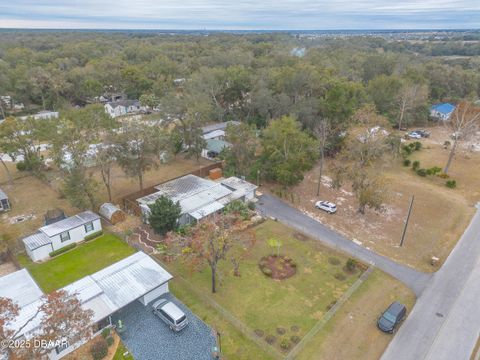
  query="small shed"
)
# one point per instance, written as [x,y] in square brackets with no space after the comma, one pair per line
[4,203]
[112,213]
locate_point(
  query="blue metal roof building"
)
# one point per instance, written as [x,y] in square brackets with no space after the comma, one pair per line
[442,111]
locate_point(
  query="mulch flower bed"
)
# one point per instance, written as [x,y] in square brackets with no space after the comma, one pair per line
[278,267]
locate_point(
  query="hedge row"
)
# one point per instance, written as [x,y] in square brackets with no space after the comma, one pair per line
[94,235]
[62,250]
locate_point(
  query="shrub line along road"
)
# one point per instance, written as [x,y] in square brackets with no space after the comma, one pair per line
[444,323]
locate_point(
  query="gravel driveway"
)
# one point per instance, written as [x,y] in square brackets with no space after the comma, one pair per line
[149,338]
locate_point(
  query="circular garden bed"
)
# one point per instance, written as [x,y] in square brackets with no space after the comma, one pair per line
[278,267]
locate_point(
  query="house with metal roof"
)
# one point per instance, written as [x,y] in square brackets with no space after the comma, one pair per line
[59,234]
[123,107]
[4,202]
[442,111]
[137,277]
[198,197]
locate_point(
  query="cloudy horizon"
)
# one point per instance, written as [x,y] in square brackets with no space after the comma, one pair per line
[241,14]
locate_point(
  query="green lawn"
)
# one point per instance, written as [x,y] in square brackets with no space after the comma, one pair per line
[121,349]
[263,304]
[84,260]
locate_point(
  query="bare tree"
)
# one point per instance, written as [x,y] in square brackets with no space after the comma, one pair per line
[410,98]
[62,319]
[322,131]
[464,122]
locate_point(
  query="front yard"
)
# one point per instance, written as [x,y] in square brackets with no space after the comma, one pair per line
[280,312]
[84,260]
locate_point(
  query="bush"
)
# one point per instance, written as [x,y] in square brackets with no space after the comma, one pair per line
[93,235]
[106,333]
[110,341]
[62,250]
[351,264]
[99,349]
[406,150]
[294,339]
[285,344]
[422,172]
[281,331]
[239,208]
[417,145]
[434,170]
[21,166]
[294,328]
[251,205]
[415,165]
[406,162]
[270,339]
[452,184]
[443,175]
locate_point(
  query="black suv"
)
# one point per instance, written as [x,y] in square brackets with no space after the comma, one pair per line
[392,317]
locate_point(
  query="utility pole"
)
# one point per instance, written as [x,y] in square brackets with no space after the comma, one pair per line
[406,221]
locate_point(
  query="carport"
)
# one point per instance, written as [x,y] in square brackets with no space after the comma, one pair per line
[147,337]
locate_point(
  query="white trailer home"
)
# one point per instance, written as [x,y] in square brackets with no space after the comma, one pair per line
[60,234]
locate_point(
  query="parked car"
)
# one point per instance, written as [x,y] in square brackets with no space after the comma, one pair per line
[423,133]
[392,317]
[212,154]
[414,135]
[171,314]
[327,206]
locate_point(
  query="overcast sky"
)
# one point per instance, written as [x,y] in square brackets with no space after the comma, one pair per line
[241,14]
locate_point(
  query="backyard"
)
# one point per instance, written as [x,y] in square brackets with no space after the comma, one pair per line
[75,264]
[280,312]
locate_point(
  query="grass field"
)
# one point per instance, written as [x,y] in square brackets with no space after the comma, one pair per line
[439,217]
[84,260]
[269,306]
[352,332]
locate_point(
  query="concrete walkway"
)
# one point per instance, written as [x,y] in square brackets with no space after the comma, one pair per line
[445,321]
[274,207]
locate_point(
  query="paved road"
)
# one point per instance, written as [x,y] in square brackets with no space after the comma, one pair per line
[445,321]
[273,206]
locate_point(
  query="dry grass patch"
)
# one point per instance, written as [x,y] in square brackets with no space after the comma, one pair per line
[439,217]
[352,333]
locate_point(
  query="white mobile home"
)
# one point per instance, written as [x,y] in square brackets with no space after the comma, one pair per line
[198,197]
[60,234]
[137,277]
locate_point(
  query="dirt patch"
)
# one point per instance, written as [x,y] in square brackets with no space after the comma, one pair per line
[7,268]
[278,267]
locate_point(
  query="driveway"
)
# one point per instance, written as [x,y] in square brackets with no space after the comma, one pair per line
[149,338]
[274,207]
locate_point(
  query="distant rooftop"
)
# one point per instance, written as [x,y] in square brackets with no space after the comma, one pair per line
[443,108]
[115,104]
[218,126]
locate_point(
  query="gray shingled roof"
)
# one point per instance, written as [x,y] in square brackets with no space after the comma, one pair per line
[69,223]
[36,240]
[3,195]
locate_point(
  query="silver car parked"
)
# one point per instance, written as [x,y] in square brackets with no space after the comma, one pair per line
[170,313]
